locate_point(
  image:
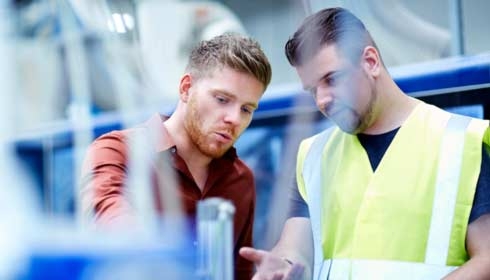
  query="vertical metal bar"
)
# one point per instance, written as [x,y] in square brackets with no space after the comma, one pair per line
[456,24]
[307,7]
[215,239]
[139,183]
[48,174]
[18,206]
[79,110]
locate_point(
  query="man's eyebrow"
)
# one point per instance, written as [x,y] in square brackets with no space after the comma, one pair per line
[253,105]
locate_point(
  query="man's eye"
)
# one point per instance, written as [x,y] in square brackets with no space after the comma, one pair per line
[335,78]
[330,81]
[247,110]
[221,99]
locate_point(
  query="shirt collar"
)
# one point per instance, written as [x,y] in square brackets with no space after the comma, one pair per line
[162,140]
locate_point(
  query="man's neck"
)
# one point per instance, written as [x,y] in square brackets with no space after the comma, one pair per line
[394,109]
[197,163]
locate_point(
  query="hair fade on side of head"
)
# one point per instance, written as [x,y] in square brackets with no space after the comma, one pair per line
[332,26]
[232,50]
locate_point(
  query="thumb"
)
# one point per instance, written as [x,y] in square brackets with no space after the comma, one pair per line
[252,254]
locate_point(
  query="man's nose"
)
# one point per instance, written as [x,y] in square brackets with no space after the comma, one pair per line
[233,116]
[323,98]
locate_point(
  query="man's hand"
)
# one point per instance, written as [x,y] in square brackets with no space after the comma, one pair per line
[270,266]
[295,243]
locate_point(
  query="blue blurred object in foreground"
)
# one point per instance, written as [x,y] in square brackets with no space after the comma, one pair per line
[96,263]
[65,253]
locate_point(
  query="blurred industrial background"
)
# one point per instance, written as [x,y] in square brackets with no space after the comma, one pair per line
[72,70]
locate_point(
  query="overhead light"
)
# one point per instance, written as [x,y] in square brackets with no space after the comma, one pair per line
[120,23]
[128,21]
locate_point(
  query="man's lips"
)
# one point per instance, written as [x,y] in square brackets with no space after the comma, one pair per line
[334,110]
[332,113]
[225,137]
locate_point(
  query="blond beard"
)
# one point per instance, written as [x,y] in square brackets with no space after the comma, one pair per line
[193,124]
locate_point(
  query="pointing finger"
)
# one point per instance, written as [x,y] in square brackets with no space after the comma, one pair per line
[252,254]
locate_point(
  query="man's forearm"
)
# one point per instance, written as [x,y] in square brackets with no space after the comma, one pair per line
[475,268]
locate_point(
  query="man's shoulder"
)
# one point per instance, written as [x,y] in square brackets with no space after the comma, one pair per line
[120,135]
[110,138]
[116,140]
[242,168]
[321,136]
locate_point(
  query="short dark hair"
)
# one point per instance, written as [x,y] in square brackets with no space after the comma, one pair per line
[336,26]
[232,50]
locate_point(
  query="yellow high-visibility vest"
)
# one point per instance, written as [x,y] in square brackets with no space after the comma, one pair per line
[408,218]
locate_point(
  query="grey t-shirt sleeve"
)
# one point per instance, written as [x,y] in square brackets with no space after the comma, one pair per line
[297,205]
[481,202]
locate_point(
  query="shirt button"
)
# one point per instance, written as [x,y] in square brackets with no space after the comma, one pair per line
[173,150]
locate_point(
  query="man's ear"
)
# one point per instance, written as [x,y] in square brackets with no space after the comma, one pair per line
[371,61]
[185,85]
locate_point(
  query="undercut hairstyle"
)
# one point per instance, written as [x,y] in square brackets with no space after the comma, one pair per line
[332,26]
[240,53]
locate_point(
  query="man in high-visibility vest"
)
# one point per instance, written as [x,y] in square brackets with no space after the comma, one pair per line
[397,189]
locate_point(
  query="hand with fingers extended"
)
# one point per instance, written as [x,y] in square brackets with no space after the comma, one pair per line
[272,267]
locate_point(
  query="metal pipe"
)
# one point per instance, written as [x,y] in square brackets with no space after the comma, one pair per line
[307,7]
[19,214]
[215,239]
[131,96]
[456,25]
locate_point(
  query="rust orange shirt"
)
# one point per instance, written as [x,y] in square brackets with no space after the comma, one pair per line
[104,175]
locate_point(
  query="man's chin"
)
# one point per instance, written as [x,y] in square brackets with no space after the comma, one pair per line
[350,129]
[215,153]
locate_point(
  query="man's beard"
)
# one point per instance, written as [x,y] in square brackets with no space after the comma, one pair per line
[354,122]
[193,124]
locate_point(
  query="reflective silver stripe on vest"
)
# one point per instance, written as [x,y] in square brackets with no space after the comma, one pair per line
[446,190]
[312,178]
[447,183]
[344,269]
